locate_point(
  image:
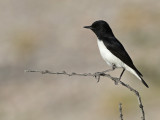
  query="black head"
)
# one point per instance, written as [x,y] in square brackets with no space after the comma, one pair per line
[101,29]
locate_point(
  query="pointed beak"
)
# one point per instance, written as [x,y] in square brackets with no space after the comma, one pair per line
[88,27]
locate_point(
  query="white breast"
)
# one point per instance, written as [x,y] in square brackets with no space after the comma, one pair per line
[109,58]
[112,59]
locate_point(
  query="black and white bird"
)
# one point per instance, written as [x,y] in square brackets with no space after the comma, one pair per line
[112,51]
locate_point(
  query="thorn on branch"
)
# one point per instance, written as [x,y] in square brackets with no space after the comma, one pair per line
[120,110]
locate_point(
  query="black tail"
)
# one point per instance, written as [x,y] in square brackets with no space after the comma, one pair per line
[140,75]
[144,82]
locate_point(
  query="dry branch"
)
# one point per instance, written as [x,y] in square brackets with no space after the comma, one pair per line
[97,75]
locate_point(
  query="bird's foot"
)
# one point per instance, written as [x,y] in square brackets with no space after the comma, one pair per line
[116,81]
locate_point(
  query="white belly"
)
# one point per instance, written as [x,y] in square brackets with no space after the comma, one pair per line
[109,58]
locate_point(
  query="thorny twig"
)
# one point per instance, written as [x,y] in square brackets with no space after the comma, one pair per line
[120,110]
[97,75]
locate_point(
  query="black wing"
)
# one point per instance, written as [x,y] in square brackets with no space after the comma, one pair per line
[118,50]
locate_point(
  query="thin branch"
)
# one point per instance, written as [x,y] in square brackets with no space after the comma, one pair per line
[120,110]
[97,75]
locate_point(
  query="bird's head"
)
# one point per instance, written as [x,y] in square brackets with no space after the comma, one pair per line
[100,28]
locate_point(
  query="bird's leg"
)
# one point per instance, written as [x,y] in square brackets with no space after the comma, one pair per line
[118,79]
[113,66]
[121,74]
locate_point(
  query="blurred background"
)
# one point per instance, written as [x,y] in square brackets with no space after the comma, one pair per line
[49,34]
